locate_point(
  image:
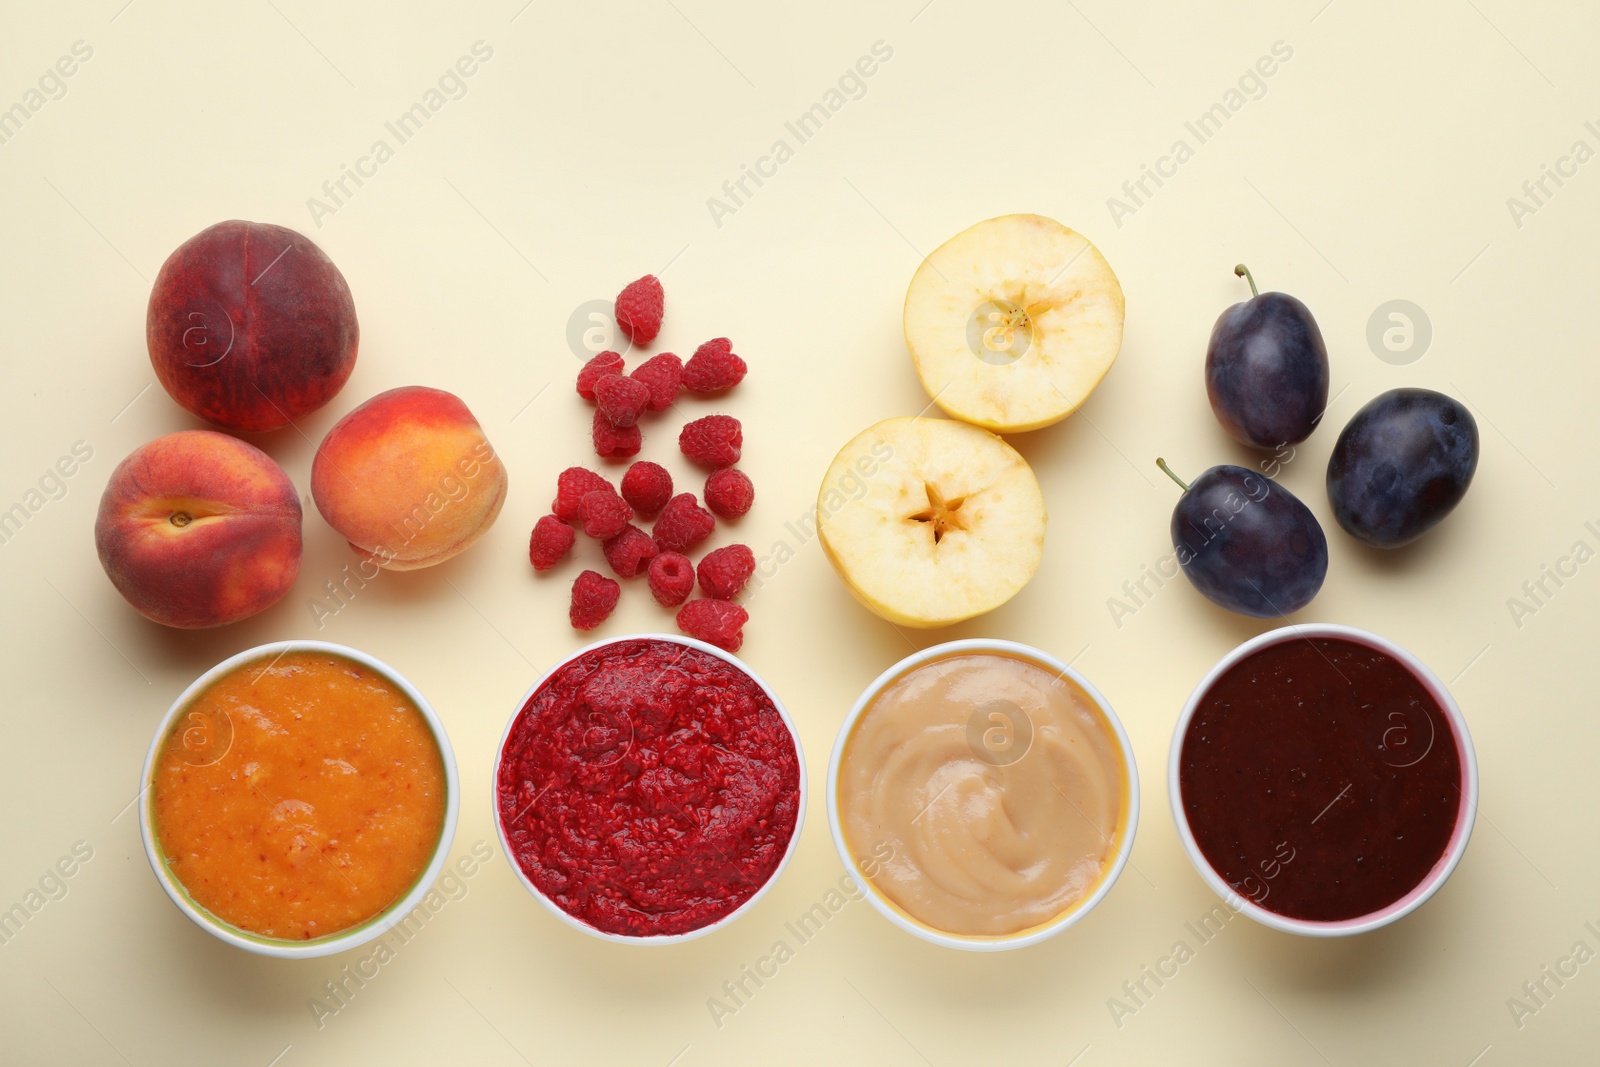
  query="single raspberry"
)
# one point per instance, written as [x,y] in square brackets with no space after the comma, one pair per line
[628,551]
[551,540]
[647,486]
[729,493]
[713,368]
[724,571]
[615,442]
[640,308]
[621,400]
[664,375]
[671,578]
[715,622]
[713,441]
[598,367]
[683,524]
[594,596]
[605,514]
[571,486]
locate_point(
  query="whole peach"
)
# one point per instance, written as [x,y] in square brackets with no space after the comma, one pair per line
[199,529]
[251,326]
[408,478]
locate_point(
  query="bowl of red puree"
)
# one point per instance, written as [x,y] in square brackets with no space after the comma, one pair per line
[649,788]
[1323,780]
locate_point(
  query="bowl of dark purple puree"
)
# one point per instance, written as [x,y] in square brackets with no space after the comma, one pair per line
[1323,780]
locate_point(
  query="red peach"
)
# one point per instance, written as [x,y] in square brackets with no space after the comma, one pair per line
[199,529]
[408,478]
[251,326]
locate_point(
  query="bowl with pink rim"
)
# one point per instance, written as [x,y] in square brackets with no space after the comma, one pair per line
[1383,736]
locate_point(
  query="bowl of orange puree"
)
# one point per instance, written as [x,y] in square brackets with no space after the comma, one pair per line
[299,799]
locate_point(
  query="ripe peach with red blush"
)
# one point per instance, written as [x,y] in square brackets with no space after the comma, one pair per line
[199,529]
[251,326]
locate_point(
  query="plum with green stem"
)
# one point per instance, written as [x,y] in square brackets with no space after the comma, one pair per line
[1267,369]
[1246,542]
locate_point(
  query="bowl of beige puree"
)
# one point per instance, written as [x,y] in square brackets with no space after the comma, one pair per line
[984,794]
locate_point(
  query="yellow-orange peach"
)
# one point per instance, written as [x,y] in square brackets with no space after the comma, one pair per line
[199,529]
[408,478]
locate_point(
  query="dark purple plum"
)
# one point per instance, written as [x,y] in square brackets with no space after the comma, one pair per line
[1247,543]
[1401,465]
[1267,369]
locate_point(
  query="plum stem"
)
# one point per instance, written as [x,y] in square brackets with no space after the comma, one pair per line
[1163,465]
[181,518]
[1242,271]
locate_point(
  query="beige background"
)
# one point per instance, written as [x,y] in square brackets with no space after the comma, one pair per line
[1376,166]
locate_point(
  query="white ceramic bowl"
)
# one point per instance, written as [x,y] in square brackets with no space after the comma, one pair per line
[649,939]
[1458,838]
[356,935]
[1123,845]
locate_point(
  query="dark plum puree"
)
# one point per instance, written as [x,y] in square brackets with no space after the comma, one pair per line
[648,788]
[1321,779]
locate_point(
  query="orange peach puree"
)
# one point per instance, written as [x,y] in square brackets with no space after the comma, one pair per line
[299,799]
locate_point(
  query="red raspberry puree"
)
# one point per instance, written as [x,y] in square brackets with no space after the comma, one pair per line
[648,788]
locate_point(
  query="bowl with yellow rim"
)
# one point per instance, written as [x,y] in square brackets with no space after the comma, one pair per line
[984,794]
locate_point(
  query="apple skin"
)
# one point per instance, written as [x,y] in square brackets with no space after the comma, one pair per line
[199,529]
[408,478]
[251,326]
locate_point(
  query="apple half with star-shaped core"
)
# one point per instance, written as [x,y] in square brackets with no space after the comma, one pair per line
[930,521]
[1012,323]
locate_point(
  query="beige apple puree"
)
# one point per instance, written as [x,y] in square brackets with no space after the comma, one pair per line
[982,794]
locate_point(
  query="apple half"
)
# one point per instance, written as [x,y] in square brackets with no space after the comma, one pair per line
[1013,322]
[930,521]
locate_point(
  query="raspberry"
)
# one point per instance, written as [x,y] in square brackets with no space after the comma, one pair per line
[640,307]
[712,441]
[627,551]
[571,487]
[683,524]
[615,442]
[593,598]
[647,486]
[724,571]
[671,578]
[597,368]
[715,622]
[605,514]
[664,375]
[729,493]
[621,400]
[713,368]
[551,540]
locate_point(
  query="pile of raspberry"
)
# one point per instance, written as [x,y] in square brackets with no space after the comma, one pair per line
[588,502]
